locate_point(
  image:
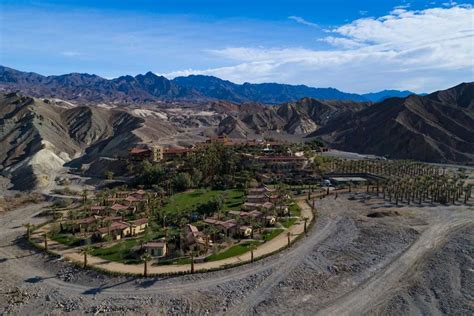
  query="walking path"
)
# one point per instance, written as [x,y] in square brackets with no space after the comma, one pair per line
[274,245]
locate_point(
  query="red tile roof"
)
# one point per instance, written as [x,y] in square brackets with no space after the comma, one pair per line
[154,244]
[113,226]
[137,151]
[139,222]
[118,207]
[177,150]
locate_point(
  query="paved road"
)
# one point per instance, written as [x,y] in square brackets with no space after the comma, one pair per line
[279,242]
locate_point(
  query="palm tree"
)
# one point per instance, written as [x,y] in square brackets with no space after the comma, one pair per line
[306,225]
[85,251]
[145,258]
[252,248]
[84,197]
[45,235]
[28,227]
[192,254]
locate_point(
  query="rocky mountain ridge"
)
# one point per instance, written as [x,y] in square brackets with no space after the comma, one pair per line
[151,88]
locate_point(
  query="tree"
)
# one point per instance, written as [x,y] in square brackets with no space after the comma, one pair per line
[109,175]
[85,251]
[146,257]
[305,225]
[45,236]
[84,196]
[150,174]
[28,227]
[182,181]
[252,248]
[192,254]
[288,235]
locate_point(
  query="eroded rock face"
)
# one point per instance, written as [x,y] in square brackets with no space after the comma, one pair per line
[38,137]
[437,128]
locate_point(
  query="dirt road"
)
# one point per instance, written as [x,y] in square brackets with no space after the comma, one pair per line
[278,243]
[348,264]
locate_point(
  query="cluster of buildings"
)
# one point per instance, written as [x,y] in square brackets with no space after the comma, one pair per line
[258,208]
[109,217]
[275,162]
[99,227]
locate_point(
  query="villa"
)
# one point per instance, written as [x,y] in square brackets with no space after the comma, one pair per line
[117,230]
[156,248]
[138,226]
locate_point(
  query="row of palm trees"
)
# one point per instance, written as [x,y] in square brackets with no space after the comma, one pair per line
[417,190]
[398,168]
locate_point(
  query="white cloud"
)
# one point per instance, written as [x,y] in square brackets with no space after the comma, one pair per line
[300,20]
[416,50]
[70,53]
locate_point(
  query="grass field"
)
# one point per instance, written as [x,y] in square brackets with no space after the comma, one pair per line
[67,240]
[232,251]
[269,235]
[287,222]
[121,251]
[295,210]
[187,200]
[118,252]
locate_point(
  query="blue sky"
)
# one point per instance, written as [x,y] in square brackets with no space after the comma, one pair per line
[355,46]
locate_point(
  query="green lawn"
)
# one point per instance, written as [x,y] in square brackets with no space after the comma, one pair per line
[232,251]
[67,240]
[186,200]
[287,222]
[295,210]
[118,252]
[174,261]
[270,234]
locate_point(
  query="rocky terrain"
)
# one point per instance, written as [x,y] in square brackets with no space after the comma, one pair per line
[438,127]
[301,117]
[412,260]
[150,88]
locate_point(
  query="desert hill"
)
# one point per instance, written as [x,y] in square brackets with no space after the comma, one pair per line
[437,127]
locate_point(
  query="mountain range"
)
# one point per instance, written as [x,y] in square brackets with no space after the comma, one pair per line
[148,88]
[80,120]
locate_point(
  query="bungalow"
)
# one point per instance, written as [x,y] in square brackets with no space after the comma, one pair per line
[82,224]
[119,208]
[270,220]
[138,226]
[117,230]
[131,200]
[194,236]
[259,191]
[111,219]
[245,231]
[98,209]
[282,209]
[261,198]
[156,248]
[257,215]
[253,214]
[229,227]
[257,206]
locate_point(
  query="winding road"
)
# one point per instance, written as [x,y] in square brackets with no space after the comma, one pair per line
[14,267]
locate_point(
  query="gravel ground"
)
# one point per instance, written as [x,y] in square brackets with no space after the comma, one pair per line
[345,255]
[443,284]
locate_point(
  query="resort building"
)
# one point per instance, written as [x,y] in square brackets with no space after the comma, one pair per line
[156,248]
